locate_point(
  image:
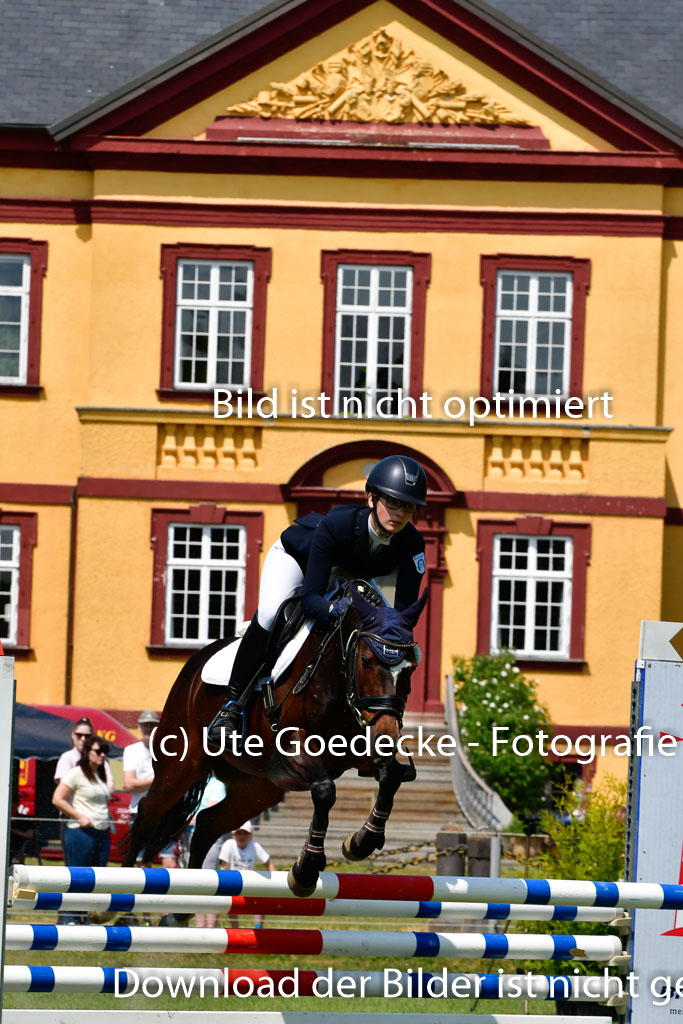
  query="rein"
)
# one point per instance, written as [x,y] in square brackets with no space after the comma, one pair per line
[382,704]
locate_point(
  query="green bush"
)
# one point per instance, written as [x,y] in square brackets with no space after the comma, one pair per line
[490,690]
[586,840]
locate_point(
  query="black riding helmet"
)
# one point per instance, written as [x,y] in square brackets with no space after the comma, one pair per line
[399,477]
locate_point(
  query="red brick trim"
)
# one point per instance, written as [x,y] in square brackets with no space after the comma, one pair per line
[170,254]
[28,524]
[177,490]
[246,130]
[422,267]
[562,504]
[45,211]
[38,254]
[205,513]
[36,494]
[534,526]
[358,161]
[350,218]
[308,485]
[580,269]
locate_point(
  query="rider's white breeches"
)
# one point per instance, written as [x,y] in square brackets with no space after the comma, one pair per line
[280,578]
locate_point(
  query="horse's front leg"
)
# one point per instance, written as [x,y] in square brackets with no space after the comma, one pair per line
[370,837]
[303,875]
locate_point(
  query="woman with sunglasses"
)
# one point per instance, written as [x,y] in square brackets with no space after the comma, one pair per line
[363,541]
[83,796]
[69,759]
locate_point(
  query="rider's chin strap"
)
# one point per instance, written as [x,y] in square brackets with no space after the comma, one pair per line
[381,532]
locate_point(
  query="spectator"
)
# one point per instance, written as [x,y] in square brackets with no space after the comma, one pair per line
[213,793]
[83,796]
[240,853]
[69,759]
[138,775]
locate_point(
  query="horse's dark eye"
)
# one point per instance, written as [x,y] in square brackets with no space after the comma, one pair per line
[365,660]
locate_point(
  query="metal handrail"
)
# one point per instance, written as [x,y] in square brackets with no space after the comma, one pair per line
[480,804]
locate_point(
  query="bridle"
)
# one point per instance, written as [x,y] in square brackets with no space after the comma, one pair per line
[382,704]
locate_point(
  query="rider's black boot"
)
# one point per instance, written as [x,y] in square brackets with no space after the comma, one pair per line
[249,660]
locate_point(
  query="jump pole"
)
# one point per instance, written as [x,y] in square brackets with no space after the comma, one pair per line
[312,942]
[185,981]
[440,888]
[122,903]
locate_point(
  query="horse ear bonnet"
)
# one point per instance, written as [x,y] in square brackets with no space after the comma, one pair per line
[384,622]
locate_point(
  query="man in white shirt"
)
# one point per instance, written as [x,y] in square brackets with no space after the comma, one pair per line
[138,766]
[138,775]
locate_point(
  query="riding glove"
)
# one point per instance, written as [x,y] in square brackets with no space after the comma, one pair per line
[338,608]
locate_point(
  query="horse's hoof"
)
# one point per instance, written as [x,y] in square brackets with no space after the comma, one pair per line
[347,851]
[298,888]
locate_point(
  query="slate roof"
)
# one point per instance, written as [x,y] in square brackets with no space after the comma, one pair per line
[59,56]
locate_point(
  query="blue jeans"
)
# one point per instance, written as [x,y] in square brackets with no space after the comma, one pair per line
[87,847]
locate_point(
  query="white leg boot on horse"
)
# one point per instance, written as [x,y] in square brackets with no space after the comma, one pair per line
[249,662]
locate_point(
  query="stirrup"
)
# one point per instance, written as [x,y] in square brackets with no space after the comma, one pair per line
[231,710]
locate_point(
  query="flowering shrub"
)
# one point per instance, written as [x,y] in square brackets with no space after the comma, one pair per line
[491,691]
[586,839]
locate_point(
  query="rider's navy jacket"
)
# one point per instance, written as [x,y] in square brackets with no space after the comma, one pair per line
[341,538]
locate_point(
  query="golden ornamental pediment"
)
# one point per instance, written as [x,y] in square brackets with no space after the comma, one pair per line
[378,78]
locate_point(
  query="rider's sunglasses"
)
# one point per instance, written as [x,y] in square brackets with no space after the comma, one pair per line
[394,504]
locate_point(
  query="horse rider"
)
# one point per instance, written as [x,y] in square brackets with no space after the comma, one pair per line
[363,540]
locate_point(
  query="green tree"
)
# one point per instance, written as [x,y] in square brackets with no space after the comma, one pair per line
[490,690]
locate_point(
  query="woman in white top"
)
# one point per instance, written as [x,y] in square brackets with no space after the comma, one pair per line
[83,796]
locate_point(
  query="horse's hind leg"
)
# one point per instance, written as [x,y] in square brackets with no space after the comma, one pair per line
[164,811]
[370,837]
[246,797]
[303,875]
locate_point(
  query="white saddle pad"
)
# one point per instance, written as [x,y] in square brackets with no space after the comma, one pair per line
[218,668]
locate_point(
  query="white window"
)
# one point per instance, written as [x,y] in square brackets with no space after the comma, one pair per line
[532,592]
[372,338]
[15,283]
[205,576]
[9,582]
[213,323]
[533,332]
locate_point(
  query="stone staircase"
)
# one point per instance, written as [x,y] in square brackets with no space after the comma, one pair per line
[421,809]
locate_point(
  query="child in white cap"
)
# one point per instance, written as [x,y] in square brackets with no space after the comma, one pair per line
[241,853]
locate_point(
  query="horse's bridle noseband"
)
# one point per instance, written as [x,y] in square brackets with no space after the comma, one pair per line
[382,704]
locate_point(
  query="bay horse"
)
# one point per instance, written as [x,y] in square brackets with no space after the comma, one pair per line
[347,680]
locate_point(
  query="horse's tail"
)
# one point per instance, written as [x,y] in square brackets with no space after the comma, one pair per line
[167,828]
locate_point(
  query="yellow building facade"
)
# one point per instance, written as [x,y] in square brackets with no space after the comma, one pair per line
[375,210]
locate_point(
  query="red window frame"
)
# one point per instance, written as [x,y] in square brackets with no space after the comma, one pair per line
[421,263]
[28,526]
[37,252]
[202,515]
[580,269]
[536,526]
[170,254]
